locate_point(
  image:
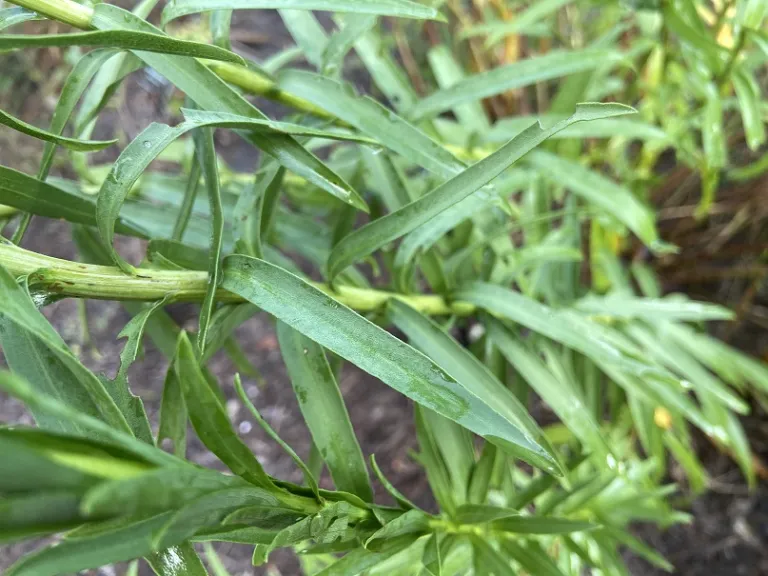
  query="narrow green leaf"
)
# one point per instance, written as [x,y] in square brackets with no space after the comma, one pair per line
[307,32]
[209,418]
[749,96]
[324,412]
[74,86]
[615,199]
[352,27]
[480,480]
[31,195]
[396,8]
[354,338]
[147,146]
[123,39]
[25,516]
[489,560]
[254,210]
[208,511]
[376,234]
[386,72]
[219,23]
[181,560]
[171,254]
[125,542]
[414,522]
[372,118]
[449,72]
[566,327]
[631,128]
[81,389]
[214,561]
[713,55]
[482,513]
[360,560]
[687,367]
[432,460]
[211,93]
[28,469]
[309,479]
[683,452]
[70,143]
[155,491]
[523,73]
[626,307]
[234,121]
[431,558]
[530,17]
[540,525]
[399,497]
[140,451]
[477,379]
[712,133]
[105,84]
[206,157]
[531,558]
[173,414]
[188,203]
[560,395]
[223,324]
[428,234]
[640,548]
[131,406]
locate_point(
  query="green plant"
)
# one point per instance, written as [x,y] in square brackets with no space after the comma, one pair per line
[491,252]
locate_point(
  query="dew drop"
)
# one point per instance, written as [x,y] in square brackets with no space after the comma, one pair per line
[147,144]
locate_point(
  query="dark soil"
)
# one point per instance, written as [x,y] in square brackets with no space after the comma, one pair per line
[729,533]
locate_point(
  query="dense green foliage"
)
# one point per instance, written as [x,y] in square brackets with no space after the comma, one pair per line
[491,244]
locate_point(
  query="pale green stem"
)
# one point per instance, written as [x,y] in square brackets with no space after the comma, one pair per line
[260,85]
[66,11]
[76,280]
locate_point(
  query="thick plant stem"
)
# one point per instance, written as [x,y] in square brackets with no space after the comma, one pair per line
[76,280]
[66,11]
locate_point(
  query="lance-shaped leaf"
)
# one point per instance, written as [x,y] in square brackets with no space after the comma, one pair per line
[592,339]
[613,198]
[209,418]
[469,371]
[123,542]
[206,157]
[749,96]
[143,455]
[49,357]
[123,39]
[373,236]
[324,412]
[372,118]
[631,128]
[625,307]
[181,560]
[29,194]
[148,145]
[395,8]
[70,143]
[346,333]
[522,73]
[211,93]
[564,399]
